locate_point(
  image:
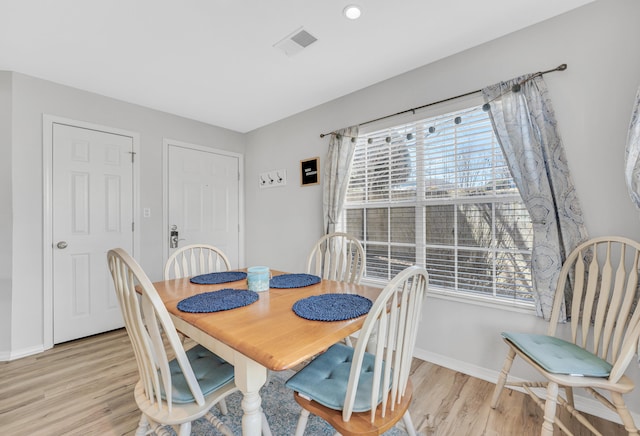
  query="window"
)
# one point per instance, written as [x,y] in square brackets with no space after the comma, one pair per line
[438,193]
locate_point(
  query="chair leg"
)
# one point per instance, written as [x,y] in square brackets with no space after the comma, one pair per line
[143,425]
[185,429]
[222,405]
[502,378]
[302,422]
[266,430]
[626,417]
[161,430]
[577,415]
[550,409]
[408,423]
[568,391]
[219,425]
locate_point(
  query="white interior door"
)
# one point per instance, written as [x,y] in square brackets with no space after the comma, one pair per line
[92,198]
[204,199]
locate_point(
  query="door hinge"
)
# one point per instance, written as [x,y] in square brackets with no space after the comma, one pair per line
[133,155]
[133,227]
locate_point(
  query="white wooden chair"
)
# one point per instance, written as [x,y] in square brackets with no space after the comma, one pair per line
[598,344]
[195,259]
[170,392]
[337,256]
[192,260]
[362,393]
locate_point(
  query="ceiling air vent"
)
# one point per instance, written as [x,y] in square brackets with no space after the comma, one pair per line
[295,42]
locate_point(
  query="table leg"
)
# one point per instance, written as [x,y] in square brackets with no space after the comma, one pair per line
[250,377]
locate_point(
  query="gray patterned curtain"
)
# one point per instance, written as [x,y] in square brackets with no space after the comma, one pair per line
[524,122]
[336,175]
[632,154]
[632,160]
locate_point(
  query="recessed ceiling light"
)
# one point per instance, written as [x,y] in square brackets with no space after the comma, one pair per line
[352,12]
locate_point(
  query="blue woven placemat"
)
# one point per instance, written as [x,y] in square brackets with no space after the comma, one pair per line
[218,277]
[293,281]
[332,307]
[216,301]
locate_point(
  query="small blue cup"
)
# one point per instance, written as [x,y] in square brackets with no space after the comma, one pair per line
[258,278]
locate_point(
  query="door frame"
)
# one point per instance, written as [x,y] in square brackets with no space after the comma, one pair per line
[47,206]
[166,143]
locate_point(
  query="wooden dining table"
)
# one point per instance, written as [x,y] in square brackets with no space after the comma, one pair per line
[264,335]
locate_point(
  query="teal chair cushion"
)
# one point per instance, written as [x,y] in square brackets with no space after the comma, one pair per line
[558,356]
[325,379]
[210,370]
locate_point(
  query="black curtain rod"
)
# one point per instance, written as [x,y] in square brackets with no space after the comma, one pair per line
[558,68]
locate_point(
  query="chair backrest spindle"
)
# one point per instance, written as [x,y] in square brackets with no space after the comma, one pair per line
[337,256]
[195,259]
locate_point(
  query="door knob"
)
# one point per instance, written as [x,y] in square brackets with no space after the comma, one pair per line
[62,245]
[173,237]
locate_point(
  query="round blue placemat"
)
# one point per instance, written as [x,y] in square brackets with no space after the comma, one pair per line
[332,307]
[217,301]
[293,281]
[218,277]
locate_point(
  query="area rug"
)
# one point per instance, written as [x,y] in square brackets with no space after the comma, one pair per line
[281,409]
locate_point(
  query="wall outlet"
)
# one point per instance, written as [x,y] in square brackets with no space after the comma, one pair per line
[272,179]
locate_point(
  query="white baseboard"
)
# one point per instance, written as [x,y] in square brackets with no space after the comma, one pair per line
[18,354]
[582,403]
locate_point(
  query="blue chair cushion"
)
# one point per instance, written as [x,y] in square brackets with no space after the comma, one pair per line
[210,370]
[325,379]
[558,356]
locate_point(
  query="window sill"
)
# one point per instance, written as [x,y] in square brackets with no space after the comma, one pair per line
[479,300]
[466,298]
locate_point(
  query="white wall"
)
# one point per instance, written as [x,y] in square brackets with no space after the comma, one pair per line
[592,99]
[33,97]
[6,221]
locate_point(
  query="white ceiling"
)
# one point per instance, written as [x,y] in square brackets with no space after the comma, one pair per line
[214,60]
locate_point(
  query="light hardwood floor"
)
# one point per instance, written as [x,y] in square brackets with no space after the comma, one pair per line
[85,387]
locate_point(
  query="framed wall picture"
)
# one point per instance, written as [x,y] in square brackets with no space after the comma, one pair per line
[310,171]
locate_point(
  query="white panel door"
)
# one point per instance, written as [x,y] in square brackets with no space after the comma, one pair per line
[92,212]
[203,199]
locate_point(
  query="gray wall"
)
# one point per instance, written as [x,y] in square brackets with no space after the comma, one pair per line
[592,99]
[6,220]
[31,99]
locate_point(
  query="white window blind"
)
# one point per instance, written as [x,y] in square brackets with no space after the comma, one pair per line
[438,193]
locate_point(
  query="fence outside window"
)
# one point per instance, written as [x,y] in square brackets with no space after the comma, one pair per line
[437,192]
